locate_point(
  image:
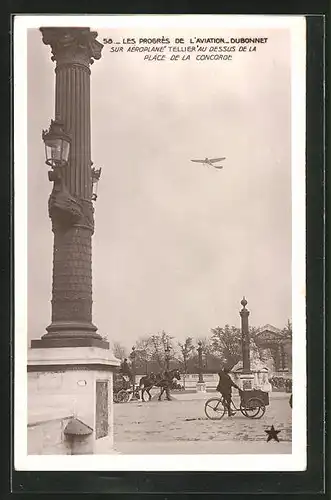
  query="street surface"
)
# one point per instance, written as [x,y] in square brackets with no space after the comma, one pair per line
[180,426]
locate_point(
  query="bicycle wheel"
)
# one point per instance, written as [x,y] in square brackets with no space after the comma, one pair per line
[254,408]
[214,409]
[123,396]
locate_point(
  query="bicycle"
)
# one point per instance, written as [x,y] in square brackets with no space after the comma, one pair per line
[250,407]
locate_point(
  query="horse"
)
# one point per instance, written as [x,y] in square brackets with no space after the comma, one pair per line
[162,380]
[147,382]
[166,382]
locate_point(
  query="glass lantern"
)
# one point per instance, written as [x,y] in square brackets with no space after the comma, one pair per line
[57,145]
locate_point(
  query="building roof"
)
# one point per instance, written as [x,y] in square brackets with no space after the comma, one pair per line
[269,334]
[269,328]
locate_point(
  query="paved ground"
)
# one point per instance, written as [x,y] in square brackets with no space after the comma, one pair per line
[180,426]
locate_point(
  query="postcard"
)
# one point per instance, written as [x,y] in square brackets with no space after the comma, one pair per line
[160,243]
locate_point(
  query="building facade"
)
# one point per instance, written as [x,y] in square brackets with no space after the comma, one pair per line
[275,349]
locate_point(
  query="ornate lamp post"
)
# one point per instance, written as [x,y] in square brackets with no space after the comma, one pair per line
[133,365]
[247,377]
[68,153]
[201,386]
[72,353]
[200,362]
[167,357]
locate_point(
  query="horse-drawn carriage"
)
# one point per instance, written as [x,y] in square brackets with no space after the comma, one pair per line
[122,390]
[166,381]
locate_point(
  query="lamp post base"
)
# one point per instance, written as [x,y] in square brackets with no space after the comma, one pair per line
[70,334]
[78,341]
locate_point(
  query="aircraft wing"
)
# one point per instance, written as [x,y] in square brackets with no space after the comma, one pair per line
[199,161]
[214,160]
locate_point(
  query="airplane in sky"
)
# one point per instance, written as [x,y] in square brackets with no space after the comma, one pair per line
[210,162]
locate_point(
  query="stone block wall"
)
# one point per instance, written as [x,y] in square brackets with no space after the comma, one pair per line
[47,437]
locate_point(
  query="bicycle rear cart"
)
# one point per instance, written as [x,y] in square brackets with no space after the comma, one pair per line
[252,405]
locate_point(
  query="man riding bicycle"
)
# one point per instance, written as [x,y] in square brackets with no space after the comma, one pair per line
[224,386]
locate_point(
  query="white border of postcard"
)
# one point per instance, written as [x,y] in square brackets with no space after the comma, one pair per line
[117,462]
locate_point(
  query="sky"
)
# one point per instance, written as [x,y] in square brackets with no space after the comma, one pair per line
[177,244]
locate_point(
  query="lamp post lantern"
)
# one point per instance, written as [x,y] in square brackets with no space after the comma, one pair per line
[57,145]
[96,173]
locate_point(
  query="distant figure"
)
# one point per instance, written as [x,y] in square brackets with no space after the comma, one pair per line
[125,369]
[121,382]
[224,386]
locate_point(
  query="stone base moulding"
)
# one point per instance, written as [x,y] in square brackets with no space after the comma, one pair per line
[201,387]
[70,334]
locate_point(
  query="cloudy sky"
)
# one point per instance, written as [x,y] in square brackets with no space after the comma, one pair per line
[177,244]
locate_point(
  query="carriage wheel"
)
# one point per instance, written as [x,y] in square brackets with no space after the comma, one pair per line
[123,396]
[254,408]
[214,409]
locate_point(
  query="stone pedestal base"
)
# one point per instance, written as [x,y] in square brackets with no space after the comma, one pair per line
[246,381]
[201,387]
[70,385]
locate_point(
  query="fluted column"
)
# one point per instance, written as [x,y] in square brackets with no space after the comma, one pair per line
[70,203]
[244,313]
[72,107]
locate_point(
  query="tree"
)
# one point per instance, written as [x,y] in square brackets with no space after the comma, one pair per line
[287,330]
[205,343]
[157,350]
[227,344]
[152,349]
[120,352]
[143,353]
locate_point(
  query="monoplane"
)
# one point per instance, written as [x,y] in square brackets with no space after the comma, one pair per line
[210,162]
